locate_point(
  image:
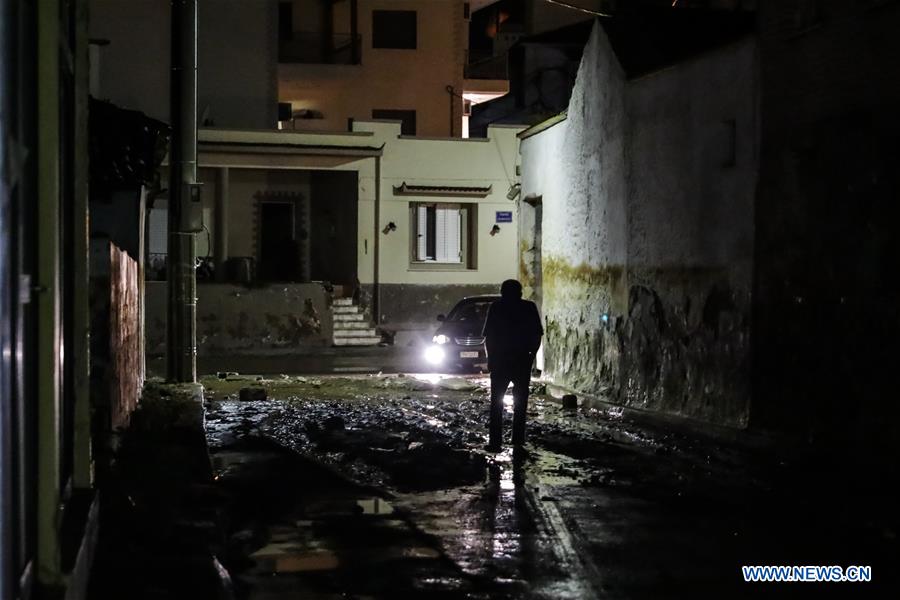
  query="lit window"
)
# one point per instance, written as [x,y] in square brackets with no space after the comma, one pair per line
[442,233]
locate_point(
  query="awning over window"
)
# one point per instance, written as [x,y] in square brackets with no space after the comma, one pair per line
[444,191]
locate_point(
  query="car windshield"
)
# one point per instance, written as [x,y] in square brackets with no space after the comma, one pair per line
[471,312]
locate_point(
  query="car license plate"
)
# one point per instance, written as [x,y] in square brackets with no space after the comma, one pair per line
[468,354]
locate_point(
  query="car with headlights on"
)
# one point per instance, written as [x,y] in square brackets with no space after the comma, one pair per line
[458,341]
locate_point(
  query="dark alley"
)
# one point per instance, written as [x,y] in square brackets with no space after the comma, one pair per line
[514,299]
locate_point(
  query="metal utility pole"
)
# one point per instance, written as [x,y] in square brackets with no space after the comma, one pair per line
[184,196]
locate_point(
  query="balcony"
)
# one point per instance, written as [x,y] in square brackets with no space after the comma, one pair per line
[311,47]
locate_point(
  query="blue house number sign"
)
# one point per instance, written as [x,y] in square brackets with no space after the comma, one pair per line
[504,216]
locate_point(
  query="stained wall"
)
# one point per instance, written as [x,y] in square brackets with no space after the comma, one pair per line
[647,191]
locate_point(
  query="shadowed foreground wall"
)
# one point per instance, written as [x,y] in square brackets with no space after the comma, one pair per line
[827,314]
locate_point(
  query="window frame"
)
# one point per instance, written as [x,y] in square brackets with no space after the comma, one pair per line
[468,242]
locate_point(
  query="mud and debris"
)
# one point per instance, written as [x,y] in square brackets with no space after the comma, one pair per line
[378,486]
[598,505]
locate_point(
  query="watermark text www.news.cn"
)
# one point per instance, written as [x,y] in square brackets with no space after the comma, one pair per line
[806,573]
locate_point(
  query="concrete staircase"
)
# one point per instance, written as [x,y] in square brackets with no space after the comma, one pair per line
[350,325]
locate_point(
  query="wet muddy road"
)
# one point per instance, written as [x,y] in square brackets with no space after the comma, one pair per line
[378,486]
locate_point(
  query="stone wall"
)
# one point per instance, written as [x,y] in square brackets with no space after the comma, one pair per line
[647,241]
[235,319]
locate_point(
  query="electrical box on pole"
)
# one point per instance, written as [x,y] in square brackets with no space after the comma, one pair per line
[193,196]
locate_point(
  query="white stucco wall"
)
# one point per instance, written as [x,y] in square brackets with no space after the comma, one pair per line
[647,231]
[577,168]
[489,162]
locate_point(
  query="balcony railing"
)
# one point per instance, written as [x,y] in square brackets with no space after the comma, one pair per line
[486,66]
[311,47]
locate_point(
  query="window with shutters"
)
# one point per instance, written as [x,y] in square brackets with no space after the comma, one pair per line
[442,234]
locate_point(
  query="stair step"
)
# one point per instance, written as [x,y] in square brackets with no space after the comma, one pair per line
[349,317]
[351,325]
[360,332]
[344,309]
[357,341]
[342,302]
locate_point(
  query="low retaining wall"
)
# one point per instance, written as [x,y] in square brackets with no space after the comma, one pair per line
[236,319]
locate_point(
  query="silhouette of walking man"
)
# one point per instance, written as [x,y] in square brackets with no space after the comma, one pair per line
[512,334]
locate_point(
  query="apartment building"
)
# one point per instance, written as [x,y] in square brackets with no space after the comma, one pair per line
[380,59]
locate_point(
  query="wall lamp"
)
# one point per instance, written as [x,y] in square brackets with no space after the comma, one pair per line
[495,230]
[389,228]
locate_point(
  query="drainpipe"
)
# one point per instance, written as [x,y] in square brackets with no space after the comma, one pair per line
[376,288]
[182,282]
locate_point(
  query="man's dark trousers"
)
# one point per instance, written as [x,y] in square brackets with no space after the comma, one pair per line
[518,371]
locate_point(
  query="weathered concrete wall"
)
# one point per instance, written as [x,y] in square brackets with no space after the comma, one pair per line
[234,319]
[125,344]
[692,151]
[647,233]
[576,167]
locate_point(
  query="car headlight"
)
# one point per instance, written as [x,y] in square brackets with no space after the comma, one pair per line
[440,339]
[434,355]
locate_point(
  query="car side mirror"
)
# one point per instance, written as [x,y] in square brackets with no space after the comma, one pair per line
[441,318]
